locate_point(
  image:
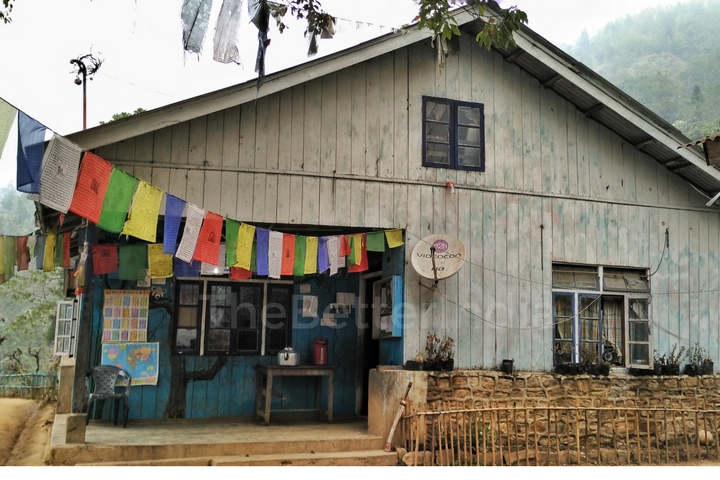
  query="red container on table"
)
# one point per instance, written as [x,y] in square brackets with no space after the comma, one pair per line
[320,351]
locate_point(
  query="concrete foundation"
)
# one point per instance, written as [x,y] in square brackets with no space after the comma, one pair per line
[75,431]
[386,388]
[65,386]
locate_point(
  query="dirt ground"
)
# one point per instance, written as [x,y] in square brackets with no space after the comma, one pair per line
[25,428]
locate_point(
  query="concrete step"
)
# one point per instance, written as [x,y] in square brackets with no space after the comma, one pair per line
[345,459]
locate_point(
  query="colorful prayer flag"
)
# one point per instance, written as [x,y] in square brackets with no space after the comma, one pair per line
[49,257]
[66,250]
[323,257]
[245,246]
[132,260]
[23,254]
[363,265]
[394,237]
[263,241]
[105,258]
[59,173]
[119,194]
[275,254]
[311,250]
[299,263]
[31,142]
[288,253]
[174,209]
[160,264]
[232,227]
[375,241]
[9,257]
[143,215]
[193,222]
[184,269]
[333,247]
[91,186]
[239,273]
[7,118]
[208,244]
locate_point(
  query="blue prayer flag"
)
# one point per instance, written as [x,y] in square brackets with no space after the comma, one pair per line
[263,244]
[31,139]
[174,208]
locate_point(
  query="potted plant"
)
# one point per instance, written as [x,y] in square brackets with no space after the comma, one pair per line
[590,359]
[697,357]
[562,357]
[659,363]
[432,346]
[673,360]
[507,365]
[446,354]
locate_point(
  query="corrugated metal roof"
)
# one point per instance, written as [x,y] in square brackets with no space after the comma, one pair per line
[709,138]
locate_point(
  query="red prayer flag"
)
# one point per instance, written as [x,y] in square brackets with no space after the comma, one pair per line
[207,248]
[363,265]
[344,246]
[105,259]
[239,273]
[92,183]
[288,254]
[66,250]
[23,254]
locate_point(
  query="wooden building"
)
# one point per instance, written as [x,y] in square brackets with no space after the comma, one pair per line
[585,227]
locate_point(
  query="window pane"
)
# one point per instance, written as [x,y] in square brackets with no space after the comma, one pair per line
[469,116]
[469,136]
[276,339]
[438,132]
[220,317]
[563,317]
[588,329]
[186,338]
[639,332]
[187,317]
[589,351]
[220,295]
[219,340]
[612,321]
[437,112]
[563,279]
[189,294]
[586,280]
[639,354]
[248,341]
[437,153]
[469,156]
[638,309]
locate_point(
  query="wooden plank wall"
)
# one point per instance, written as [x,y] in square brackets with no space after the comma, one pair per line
[345,149]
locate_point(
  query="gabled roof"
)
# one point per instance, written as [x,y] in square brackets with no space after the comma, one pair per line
[589,92]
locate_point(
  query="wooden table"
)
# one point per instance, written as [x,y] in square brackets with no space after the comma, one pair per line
[266,373]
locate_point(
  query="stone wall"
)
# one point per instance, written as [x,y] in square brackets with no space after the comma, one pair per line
[481,388]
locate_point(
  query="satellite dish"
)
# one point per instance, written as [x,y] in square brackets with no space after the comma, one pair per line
[448,256]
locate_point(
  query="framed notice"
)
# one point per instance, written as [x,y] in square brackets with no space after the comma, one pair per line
[125,316]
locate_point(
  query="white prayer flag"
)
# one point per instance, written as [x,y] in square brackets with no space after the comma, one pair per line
[275,251]
[59,173]
[193,222]
[333,248]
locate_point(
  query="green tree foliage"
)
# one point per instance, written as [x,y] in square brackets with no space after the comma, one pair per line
[17,212]
[666,58]
[120,115]
[7,6]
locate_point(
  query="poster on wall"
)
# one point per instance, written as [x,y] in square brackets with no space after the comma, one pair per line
[125,316]
[140,360]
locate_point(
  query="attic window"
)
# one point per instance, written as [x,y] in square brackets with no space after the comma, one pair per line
[622,280]
[453,134]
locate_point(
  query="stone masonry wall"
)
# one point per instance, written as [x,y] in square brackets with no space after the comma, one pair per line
[481,388]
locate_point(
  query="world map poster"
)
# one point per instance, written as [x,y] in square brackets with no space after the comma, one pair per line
[140,360]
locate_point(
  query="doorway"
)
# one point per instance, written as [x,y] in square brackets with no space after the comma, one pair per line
[368,347]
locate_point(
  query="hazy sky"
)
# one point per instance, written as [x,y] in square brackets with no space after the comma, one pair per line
[145,65]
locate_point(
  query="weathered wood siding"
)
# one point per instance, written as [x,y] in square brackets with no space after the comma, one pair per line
[345,149]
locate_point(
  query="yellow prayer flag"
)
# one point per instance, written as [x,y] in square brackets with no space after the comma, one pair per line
[2,253]
[160,263]
[357,247]
[311,250]
[143,214]
[246,234]
[49,255]
[394,237]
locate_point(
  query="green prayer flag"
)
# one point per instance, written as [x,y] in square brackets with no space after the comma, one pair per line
[118,196]
[132,260]
[351,256]
[375,241]
[232,228]
[299,264]
[253,258]
[9,257]
[7,118]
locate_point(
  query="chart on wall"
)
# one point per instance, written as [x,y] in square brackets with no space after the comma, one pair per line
[140,360]
[125,315]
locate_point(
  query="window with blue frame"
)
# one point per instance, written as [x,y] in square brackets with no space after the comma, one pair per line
[453,134]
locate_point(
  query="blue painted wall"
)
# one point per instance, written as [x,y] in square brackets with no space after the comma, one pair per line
[232,391]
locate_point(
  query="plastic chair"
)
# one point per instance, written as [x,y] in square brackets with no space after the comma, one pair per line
[102,384]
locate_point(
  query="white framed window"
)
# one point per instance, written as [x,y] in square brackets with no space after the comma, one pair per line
[602,313]
[65,325]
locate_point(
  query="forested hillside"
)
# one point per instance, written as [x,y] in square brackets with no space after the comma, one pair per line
[667,58]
